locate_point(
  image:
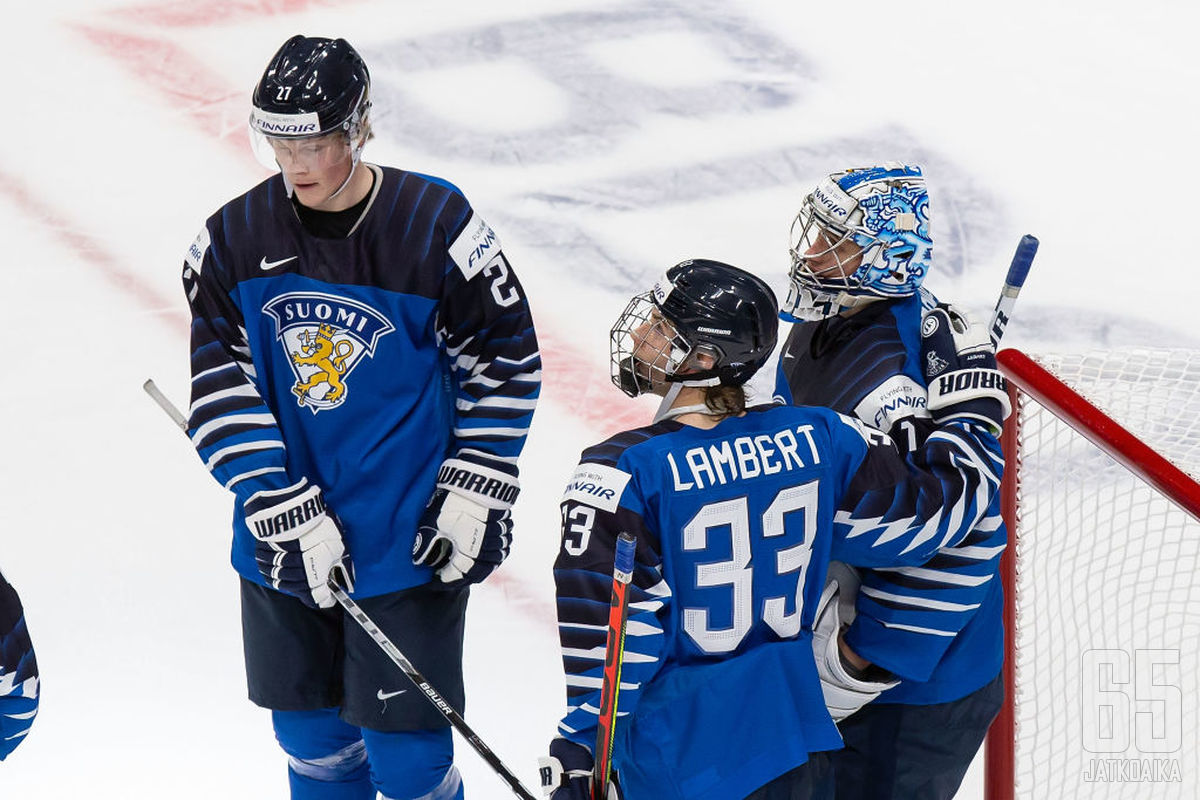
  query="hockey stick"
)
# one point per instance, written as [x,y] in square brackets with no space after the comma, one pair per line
[398,658]
[166,405]
[1017,271]
[614,657]
[406,666]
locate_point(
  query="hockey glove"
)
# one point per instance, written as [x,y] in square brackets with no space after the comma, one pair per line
[297,543]
[466,530]
[844,692]
[567,772]
[960,369]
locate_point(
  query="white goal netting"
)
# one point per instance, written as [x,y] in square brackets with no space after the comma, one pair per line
[1108,589]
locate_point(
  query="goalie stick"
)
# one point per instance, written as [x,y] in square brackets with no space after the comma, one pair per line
[614,657]
[398,658]
[1017,271]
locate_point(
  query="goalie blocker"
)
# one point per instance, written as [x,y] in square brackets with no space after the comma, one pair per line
[960,368]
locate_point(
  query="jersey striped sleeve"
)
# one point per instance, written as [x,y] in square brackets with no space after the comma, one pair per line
[234,432]
[583,576]
[486,328]
[908,616]
[19,682]
[900,511]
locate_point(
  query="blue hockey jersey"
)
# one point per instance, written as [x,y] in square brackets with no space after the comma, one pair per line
[735,528]
[359,363]
[19,683]
[938,625]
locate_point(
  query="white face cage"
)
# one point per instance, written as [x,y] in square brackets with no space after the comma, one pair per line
[646,351]
[824,255]
[826,268]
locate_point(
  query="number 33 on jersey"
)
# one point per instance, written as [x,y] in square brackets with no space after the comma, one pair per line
[736,526]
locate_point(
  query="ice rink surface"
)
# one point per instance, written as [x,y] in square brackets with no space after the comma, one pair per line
[604,141]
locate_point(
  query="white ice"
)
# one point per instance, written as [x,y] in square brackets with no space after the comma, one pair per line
[604,141]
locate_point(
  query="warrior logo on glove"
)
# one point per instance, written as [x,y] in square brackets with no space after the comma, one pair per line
[466,530]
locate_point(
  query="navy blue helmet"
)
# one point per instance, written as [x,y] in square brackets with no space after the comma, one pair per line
[705,323]
[311,87]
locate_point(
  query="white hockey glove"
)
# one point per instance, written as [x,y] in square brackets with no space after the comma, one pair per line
[466,530]
[844,693]
[960,369]
[848,581]
[566,774]
[297,543]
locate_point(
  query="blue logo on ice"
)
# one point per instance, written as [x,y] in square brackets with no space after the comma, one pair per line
[324,337]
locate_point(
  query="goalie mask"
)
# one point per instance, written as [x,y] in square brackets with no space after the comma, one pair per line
[862,235]
[703,324]
[311,103]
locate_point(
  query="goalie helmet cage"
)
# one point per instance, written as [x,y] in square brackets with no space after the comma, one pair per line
[1101,578]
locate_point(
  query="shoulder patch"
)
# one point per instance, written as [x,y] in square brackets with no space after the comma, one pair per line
[475,247]
[891,401]
[195,254]
[597,485]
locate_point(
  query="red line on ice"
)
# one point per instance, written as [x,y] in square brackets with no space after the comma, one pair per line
[189,14]
[92,252]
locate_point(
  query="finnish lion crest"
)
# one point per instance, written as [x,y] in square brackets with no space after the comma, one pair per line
[324,337]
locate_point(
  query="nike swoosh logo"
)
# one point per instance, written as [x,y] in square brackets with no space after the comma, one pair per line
[384,696]
[264,265]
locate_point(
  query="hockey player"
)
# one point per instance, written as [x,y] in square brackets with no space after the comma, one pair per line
[364,372]
[737,512]
[18,672]
[861,249]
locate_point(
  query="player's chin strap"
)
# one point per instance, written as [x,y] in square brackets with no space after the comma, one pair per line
[355,160]
[805,304]
[665,410]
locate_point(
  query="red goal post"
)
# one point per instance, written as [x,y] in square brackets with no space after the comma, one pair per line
[1101,580]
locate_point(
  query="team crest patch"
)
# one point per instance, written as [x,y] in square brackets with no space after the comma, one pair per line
[324,337]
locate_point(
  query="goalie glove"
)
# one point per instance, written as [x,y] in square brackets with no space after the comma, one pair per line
[297,543]
[466,530]
[844,692]
[566,774]
[959,362]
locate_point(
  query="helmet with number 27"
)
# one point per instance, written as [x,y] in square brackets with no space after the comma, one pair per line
[861,235]
[311,103]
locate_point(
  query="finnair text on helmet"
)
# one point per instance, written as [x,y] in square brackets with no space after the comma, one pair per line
[833,207]
[287,128]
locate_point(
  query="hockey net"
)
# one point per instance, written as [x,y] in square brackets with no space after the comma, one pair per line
[1103,507]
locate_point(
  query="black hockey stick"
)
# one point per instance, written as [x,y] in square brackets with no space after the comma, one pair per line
[614,657]
[398,658]
[1017,271]
[406,666]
